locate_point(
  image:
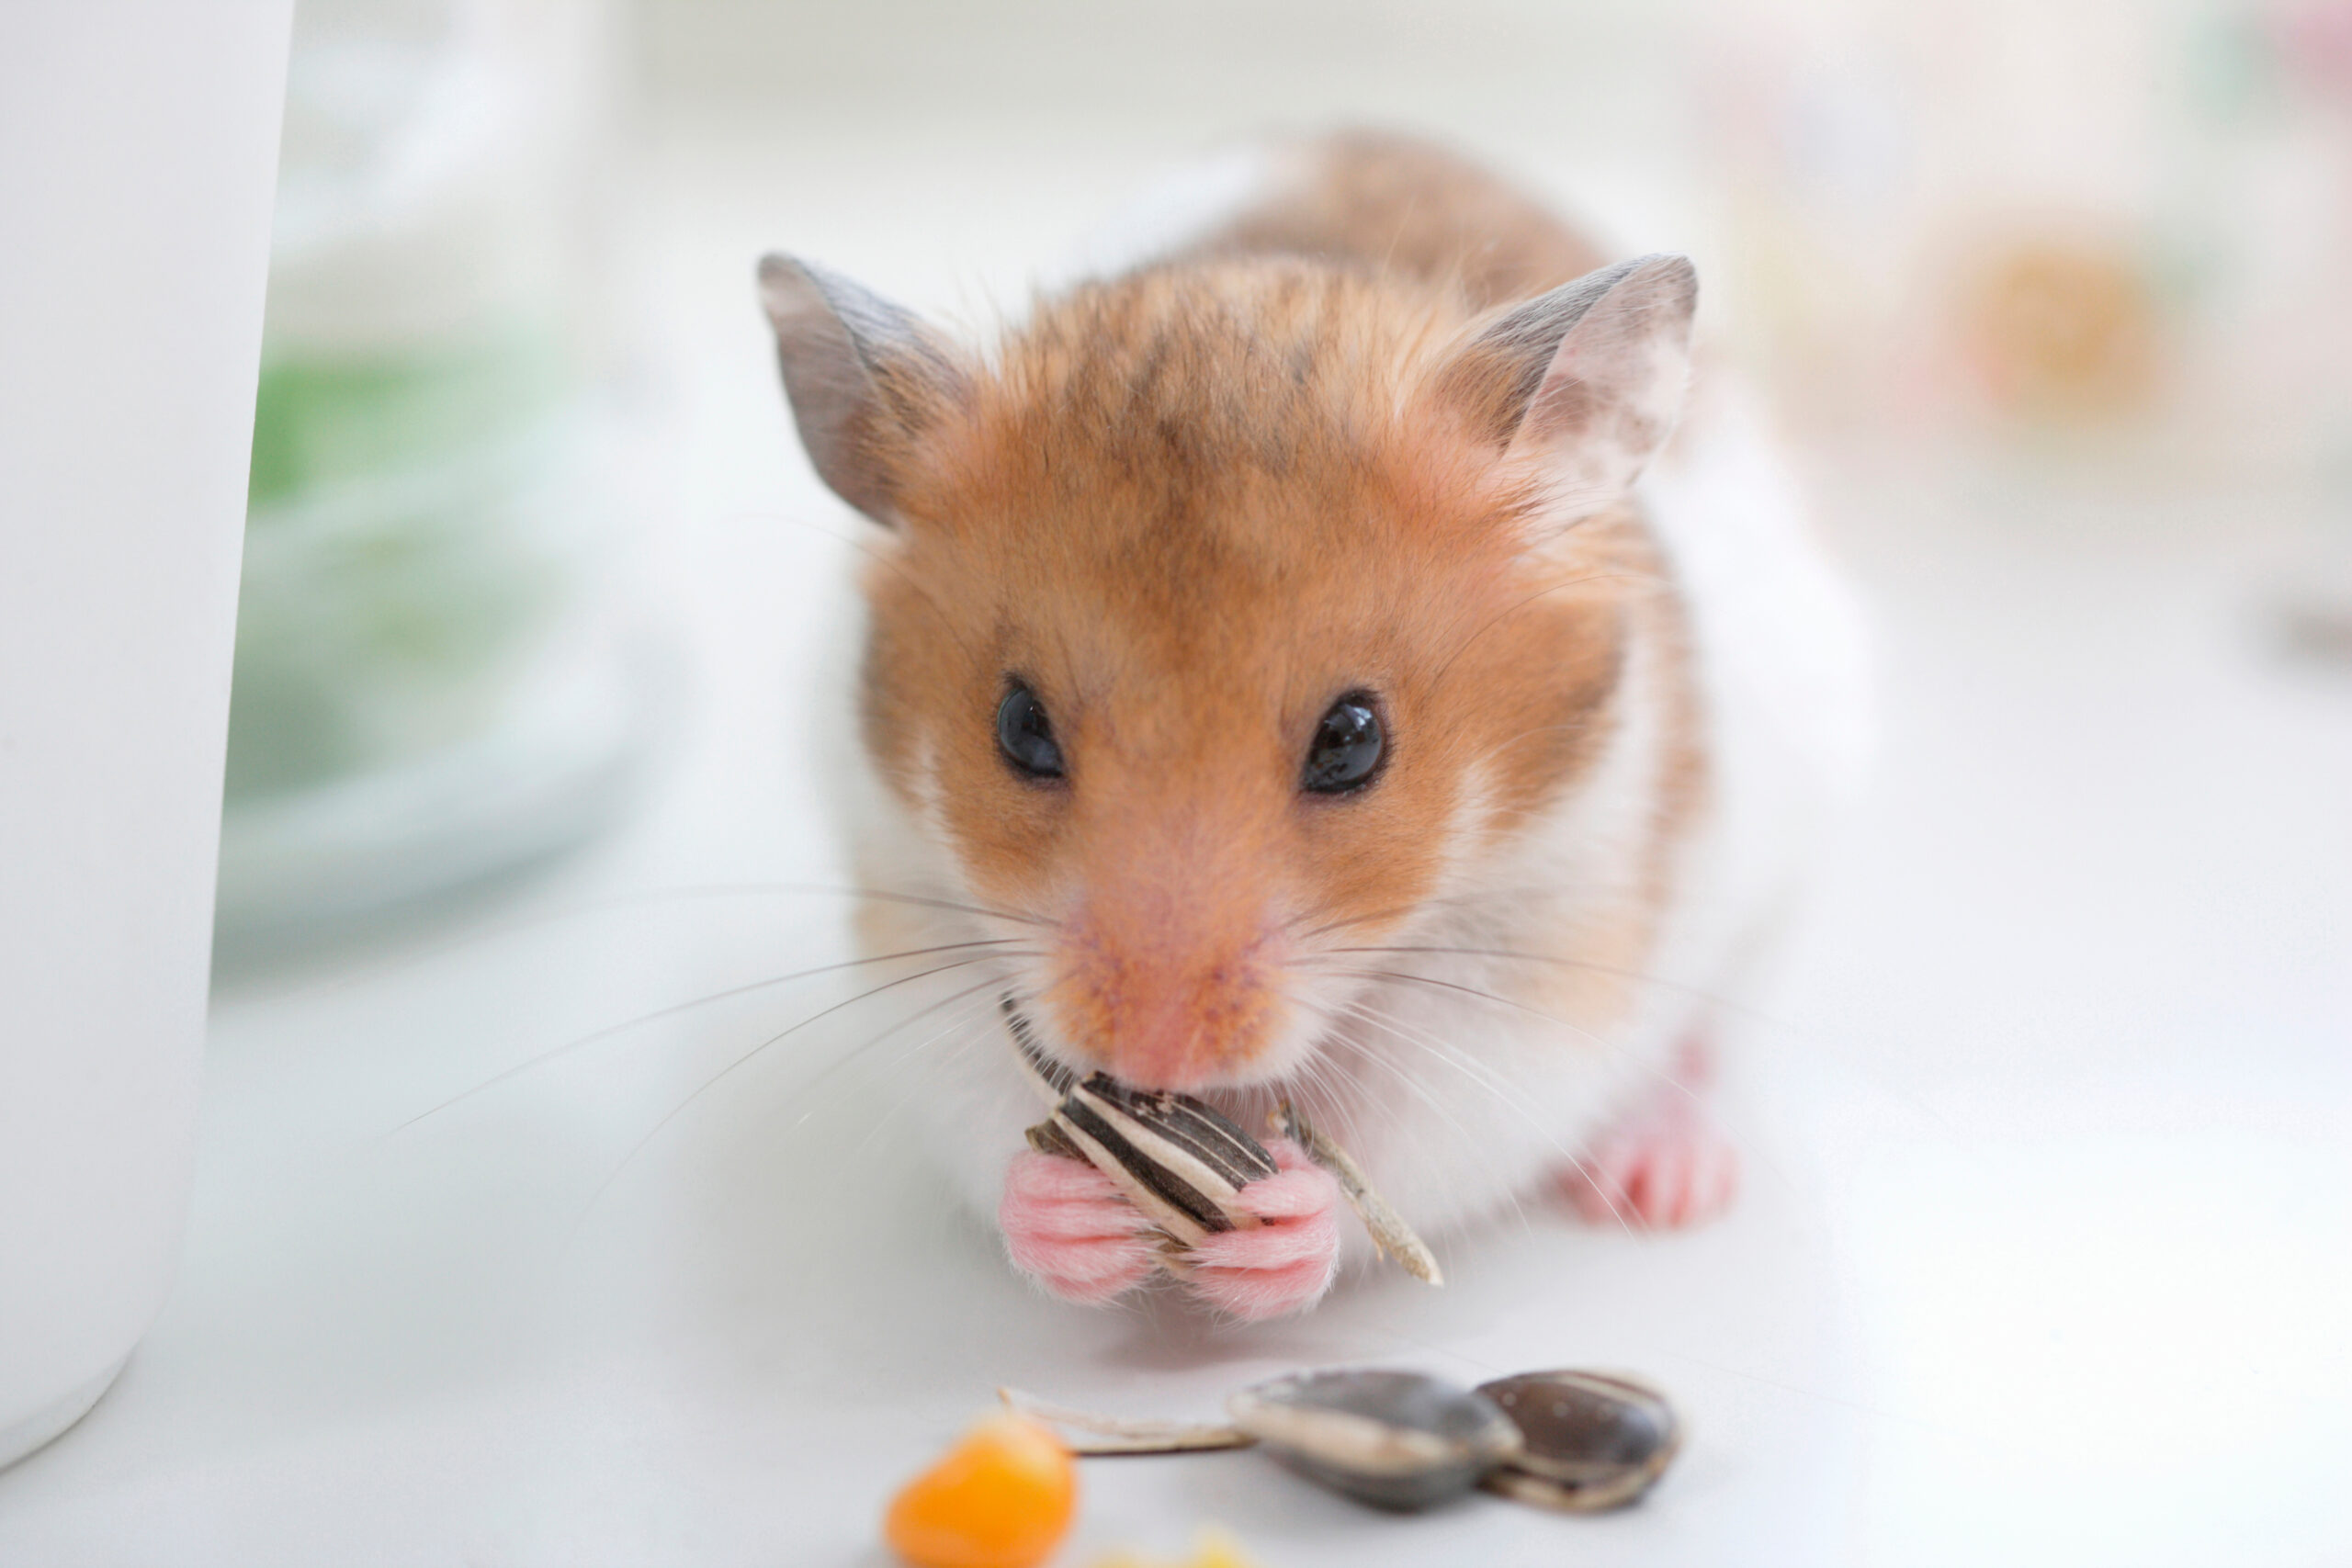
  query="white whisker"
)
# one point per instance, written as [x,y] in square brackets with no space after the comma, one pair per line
[1455,1058]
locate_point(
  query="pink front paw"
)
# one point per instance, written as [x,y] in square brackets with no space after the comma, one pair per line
[1067,1224]
[1285,1265]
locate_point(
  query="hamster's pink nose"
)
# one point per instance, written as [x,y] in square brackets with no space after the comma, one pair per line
[1164,1013]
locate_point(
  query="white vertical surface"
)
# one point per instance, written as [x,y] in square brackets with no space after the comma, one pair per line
[138,147]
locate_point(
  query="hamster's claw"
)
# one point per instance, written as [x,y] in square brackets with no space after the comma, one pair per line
[1285,1265]
[1070,1228]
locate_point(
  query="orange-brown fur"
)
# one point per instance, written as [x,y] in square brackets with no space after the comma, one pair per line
[1190,507]
[1412,210]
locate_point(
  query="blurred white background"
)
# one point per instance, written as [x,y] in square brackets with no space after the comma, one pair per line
[2048,1247]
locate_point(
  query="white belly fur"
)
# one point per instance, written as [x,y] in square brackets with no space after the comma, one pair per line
[1471,1102]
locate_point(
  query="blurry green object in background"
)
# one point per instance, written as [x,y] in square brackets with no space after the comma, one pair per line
[433,680]
[381,619]
[325,420]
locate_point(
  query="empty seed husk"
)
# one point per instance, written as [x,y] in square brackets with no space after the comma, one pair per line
[1092,1436]
[1390,1234]
[1395,1440]
[1592,1440]
[1178,1159]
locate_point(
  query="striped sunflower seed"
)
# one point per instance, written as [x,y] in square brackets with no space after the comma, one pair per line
[1395,1440]
[1184,1163]
[1595,1440]
[1178,1159]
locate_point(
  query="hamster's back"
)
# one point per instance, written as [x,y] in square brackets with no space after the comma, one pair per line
[1363,200]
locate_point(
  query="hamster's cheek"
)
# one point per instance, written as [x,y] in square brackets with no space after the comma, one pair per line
[1367,860]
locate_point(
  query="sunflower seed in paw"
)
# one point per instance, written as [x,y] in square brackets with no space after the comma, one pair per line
[1593,1440]
[1178,1159]
[1395,1440]
[1047,1138]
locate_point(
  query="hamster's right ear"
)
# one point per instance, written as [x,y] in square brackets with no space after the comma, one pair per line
[865,377]
[1587,379]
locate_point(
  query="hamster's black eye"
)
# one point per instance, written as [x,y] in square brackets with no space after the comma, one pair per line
[1026,736]
[1347,746]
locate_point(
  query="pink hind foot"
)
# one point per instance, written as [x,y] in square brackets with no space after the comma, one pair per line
[1285,1265]
[1070,1228]
[1666,1164]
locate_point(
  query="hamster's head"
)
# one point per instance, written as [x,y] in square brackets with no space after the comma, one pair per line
[1224,618]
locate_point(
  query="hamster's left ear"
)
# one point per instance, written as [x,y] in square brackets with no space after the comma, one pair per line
[1587,379]
[866,378]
